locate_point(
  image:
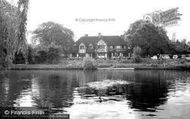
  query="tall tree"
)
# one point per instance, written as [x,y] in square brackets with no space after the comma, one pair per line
[181,47]
[11,21]
[53,33]
[152,39]
[9,30]
[22,12]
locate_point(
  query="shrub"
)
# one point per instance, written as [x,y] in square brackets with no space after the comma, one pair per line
[31,55]
[50,55]
[136,58]
[41,57]
[53,55]
[19,58]
[137,54]
[89,64]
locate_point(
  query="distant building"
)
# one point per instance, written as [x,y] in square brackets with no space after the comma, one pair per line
[102,46]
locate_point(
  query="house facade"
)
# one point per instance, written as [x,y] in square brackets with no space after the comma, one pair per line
[102,46]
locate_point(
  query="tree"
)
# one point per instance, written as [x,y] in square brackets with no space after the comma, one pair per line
[53,55]
[10,17]
[181,47]
[22,21]
[49,54]
[150,38]
[30,54]
[8,32]
[50,32]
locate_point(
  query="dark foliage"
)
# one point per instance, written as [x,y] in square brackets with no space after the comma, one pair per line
[49,33]
[19,58]
[51,56]
[150,38]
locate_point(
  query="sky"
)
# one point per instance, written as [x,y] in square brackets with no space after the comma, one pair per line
[110,17]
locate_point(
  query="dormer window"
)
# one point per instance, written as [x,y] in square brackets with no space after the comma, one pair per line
[82,46]
[118,47]
[90,46]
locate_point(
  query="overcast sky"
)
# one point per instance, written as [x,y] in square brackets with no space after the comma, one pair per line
[117,15]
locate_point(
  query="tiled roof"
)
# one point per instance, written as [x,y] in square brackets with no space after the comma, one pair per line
[110,40]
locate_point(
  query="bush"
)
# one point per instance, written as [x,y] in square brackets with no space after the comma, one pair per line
[137,54]
[31,55]
[41,57]
[136,58]
[53,55]
[19,58]
[89,64]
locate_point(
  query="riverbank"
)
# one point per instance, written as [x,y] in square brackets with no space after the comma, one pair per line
[43,67]
[103,67]
[145,64]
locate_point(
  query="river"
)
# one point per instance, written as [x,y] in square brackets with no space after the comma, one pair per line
[149,94]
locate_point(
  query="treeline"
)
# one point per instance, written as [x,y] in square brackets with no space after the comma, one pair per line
[153,40]
[49,55]
[53,40]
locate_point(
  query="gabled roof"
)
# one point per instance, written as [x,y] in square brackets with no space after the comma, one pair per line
[109,40]
[114,40]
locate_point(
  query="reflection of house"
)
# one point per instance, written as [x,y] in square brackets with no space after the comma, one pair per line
[102,46]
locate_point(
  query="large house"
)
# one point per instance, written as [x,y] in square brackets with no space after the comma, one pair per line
[102,46]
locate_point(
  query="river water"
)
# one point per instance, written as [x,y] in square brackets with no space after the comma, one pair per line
[149,94]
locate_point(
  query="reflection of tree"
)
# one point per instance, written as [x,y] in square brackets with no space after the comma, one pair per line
[149,91]
[86,76]
[56,88]
[16,83]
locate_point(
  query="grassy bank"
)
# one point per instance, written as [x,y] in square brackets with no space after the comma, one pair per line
[43,67]
[185,67]
[146,64]
[140,66]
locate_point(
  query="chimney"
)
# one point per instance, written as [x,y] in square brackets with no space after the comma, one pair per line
[99,35]
[86,35]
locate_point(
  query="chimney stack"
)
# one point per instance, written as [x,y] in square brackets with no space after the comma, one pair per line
[99,35]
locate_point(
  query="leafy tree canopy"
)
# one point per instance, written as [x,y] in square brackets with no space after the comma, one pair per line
[12,30]
[180,47]
[152,39]
[49,33]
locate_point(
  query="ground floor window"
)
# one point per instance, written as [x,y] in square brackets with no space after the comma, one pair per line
[115,54]
[101,54]
[81,54]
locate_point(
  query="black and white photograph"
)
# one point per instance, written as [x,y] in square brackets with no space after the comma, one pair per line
[94,59]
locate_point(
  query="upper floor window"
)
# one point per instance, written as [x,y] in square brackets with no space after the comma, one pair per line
[118,47]
[124,47]
[82,46]
[111,47]
[101,46]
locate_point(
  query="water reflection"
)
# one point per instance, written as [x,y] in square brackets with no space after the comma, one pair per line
[150,93]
